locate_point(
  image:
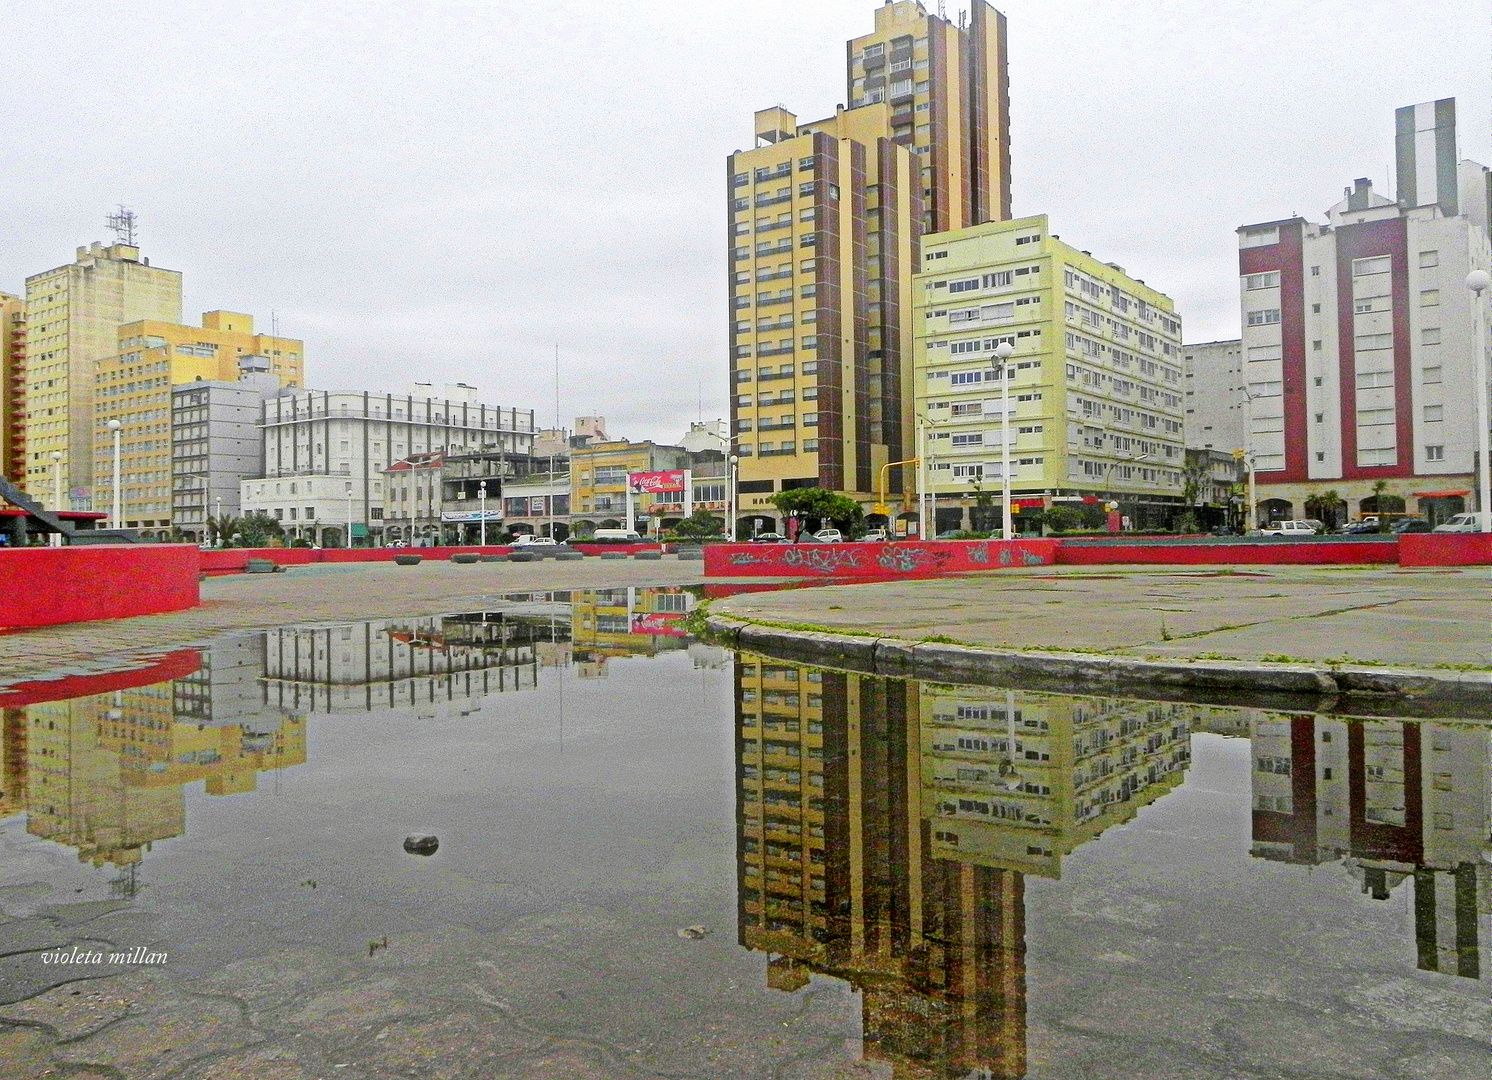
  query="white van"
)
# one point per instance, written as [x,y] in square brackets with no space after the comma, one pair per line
[616,536]
[1461,523]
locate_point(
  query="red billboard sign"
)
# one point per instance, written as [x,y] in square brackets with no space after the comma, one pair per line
[665,623]
[650,482]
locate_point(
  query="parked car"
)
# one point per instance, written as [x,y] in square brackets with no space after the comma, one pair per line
[1461,523]
[875,536]
[1295,528]
[1315,523]
[1410,525]
[829,536]
[768,538]
[529,540]
[1358,528]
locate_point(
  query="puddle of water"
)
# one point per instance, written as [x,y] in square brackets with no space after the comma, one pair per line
[657,857]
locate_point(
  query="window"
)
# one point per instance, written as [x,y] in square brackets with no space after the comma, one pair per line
[1435,453]
[810,446]
[810,341]
[1431,374]
[1260,237]
[810,419]
[1316,347]
[1315,271]
[1270,280]
[807,265]
[1374,417]
[1387,456]
[1264,317]
[1368,342]
[1428,259]
[1429,335]
[969,439]
[1434,414]
[1377,264]
[1368,380]
[1263,352]
[1019,240]
[966,285]
[1315,309]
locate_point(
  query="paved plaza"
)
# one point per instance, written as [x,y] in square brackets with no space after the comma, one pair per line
[1379,615]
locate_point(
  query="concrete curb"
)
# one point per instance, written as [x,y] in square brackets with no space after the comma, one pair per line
[1381,691]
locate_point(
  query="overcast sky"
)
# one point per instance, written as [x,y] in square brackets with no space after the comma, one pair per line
[445,191]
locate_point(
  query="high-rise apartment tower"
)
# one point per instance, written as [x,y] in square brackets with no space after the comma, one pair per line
[826,220]
[73,314]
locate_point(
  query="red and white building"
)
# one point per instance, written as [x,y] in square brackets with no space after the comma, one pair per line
[1358,336]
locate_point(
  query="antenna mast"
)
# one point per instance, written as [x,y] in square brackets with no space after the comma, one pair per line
[123,224]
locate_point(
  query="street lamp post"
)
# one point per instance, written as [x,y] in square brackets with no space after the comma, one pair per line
[1478,281]
[219,519]
[57,491]
[114,426]
[730,496]
[1003,352]
[349,513]
[1248,460]
[482,509]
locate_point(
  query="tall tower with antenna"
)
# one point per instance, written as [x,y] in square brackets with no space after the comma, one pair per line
[123,224]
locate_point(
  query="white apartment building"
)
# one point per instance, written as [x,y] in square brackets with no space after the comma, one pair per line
[325,454]
[1358,338]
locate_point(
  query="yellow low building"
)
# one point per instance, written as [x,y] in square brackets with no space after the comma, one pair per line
[134,387]
[598,479]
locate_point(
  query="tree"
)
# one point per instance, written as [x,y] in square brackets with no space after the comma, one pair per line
[983,515]
[822,506]
[1195,477]
[1061,519]
[698,524]
[255,530]
[1323,506]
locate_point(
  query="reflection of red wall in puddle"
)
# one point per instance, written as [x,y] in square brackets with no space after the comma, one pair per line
[47,586]
[173,665]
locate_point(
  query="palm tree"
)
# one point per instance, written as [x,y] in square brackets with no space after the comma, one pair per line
[1323,505]
[224,528]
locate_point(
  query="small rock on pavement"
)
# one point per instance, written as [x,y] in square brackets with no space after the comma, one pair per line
[692,933]
[421,845]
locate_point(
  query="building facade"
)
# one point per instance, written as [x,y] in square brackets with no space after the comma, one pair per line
[73,315]
[215,445]
[599,474]
[12,388]
[826,220]
[134,386]
[1213,376]
[325,454]
[1095,382]
[1358,338]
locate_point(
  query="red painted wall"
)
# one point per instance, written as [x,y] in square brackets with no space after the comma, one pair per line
[1445,549]
[232,560]
[897,560]
[1276,553]
[46,586]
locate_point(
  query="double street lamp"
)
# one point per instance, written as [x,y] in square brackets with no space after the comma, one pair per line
[1478,281]
[1001,368]
[482,509]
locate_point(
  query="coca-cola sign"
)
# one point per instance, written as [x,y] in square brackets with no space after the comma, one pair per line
[641,482]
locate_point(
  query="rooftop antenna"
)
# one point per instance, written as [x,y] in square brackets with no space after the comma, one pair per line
[123,224]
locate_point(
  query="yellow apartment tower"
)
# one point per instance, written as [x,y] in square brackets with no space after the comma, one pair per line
[827,220]
[133,385]
[73,314]
[12,387]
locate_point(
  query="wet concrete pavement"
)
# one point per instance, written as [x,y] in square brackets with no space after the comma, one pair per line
[1374,615]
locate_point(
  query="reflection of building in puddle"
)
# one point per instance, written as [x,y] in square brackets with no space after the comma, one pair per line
[435,661]
[885,830]
[629,621]
[1391,800]
[105,773]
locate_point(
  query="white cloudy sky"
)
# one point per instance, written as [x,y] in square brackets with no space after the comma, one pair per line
[445,191]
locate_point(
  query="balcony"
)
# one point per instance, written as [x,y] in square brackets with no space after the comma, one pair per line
[781,350]
[764,300]
[772,200]
[769,375]
[773,226]
[772,173]
[783,245]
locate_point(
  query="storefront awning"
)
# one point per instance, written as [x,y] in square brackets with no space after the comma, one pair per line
[1440,494]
